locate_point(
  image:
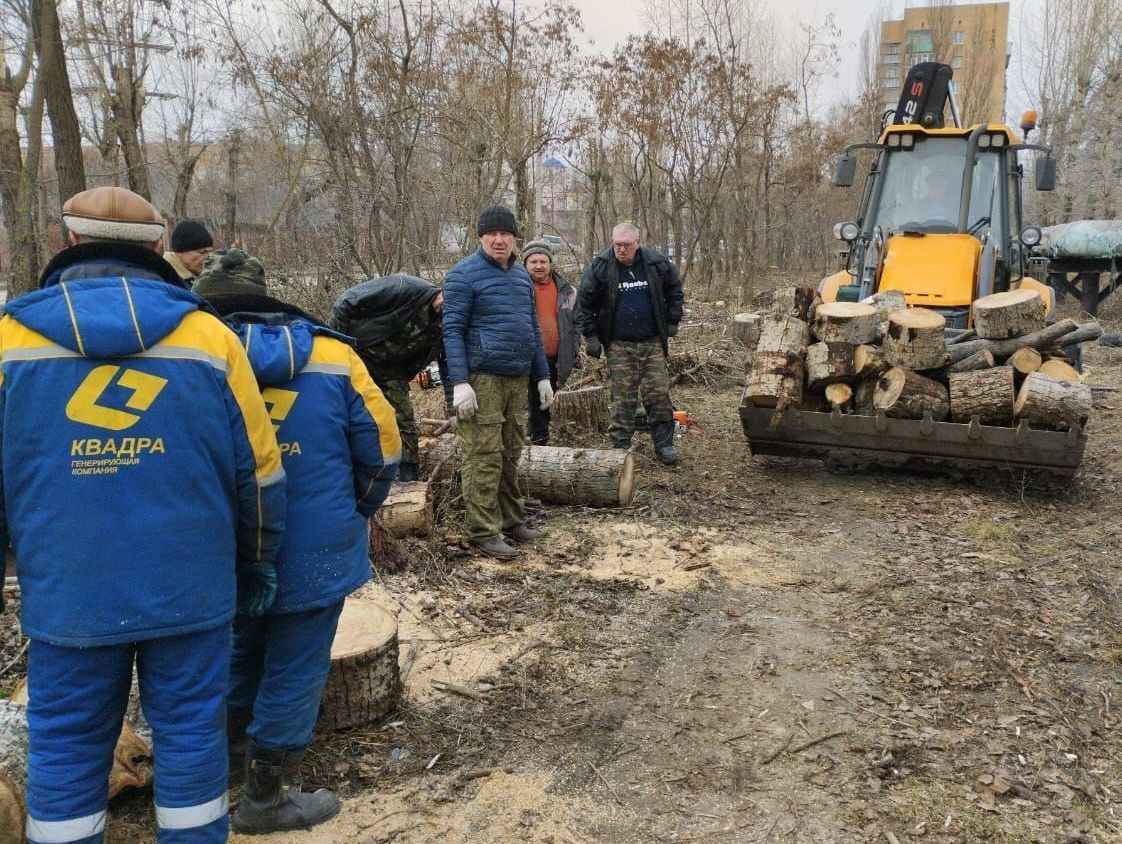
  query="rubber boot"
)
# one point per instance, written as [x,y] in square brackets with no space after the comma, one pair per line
[662,437]
[267,805]
[237,742]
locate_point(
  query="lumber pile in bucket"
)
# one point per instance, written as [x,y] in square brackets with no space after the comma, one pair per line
[879,356]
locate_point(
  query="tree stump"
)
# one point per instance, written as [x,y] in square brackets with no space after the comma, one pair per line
[914,339]
[904,394]
[407,509]
[839,395]
[979,360]
[1059,369]
[983,393]
[828,363]
[1025,360]
[586,409]
[746,329]
[1001,316]
[363,683]
[885,302]
[1046,402]
[797,302]
[845,322]
[600,477]
[869,362]
[775,380]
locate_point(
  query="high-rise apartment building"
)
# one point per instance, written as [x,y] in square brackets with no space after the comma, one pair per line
[972,38]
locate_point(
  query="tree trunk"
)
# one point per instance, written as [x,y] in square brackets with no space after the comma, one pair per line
[1049,403]
[66,134]
[783,334]
[1043,339]
[1013,313]
[127,106]
[589,476]
[407,509]
[828,363]
[363,684]
[904,394]
[586,409]
[746,329]
[798,302]
[914,339]
[869,362]
[230,220]
[984,393]
[886,302]
[1059,369]
[978,360]
[845,322]
[775,380]
[1025,360]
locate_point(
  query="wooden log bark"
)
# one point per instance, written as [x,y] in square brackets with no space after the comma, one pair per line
[798,302]
[904,394]
[746,329]
[786,335]
[914,339]
[885,302]
[863,397]
[845,322]
[1012,313]
[983,393]
[586,409]
[1083,334]
[839,396]
[813,402]
[869,362]
[596,477]
[979,360]
[1001,349]
[1050,403]
[407,509]
[1059,369]
[1025,360]
[828,363]
[775,380]
[363,683]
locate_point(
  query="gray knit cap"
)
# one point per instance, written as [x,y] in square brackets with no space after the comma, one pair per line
[537,247]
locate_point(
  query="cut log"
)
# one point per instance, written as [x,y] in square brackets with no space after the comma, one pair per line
[363,683]
[595,477]
[885,302]
[1059,369]
[586,409]
[386,552]
[839,395]
[746,329]
[1013,313]
[775,380]
[869,362]
[1083,334]
[1001,349]
[786,335]
[828,363]
[1046,402]
[845,322]
[914,339]
[863,397]
[983,393]
[979,360]
[904,394]
[407,509]
[1025,360]
[798,302]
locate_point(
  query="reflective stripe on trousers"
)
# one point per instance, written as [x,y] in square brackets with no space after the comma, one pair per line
[65,832]
[189,817]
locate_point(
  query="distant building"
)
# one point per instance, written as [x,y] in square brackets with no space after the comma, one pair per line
[972,38]
[561,212]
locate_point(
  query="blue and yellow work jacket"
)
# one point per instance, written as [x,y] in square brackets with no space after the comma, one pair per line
[339,442]
[139,463]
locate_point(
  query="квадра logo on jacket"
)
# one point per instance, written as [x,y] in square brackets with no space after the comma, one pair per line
[92,404]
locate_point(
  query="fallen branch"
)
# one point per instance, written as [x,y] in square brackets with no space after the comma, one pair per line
[407,663]
[808,744]
[607,784]
[771,758]
[454,689]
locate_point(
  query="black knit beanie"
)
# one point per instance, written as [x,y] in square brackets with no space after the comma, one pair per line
[497,218]
[190,235]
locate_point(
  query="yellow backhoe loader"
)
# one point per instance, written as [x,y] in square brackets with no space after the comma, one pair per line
[939,219]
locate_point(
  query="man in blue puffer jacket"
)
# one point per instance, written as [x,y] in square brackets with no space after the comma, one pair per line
[340,446]
[142,490]
[493,343]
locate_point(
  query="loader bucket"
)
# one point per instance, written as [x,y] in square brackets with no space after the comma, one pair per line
[923,443]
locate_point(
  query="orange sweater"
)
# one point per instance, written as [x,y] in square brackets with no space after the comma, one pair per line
[545,300]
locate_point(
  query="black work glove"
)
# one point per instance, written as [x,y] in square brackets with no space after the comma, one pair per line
[257,588]
[593,347]
[671,329]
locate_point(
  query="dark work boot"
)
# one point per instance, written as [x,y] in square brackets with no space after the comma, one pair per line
[662,437]
[237,742]
[267,805]
[497,548]
[621,441]
[408,472]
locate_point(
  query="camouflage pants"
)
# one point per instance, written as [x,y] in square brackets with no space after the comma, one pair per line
[638,367]
[397,394]
[492,442]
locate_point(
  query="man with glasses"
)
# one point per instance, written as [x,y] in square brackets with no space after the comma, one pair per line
[630,303]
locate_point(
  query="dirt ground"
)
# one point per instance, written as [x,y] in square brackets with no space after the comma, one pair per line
[757,650]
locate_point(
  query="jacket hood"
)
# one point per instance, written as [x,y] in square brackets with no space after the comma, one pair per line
[375,310]
[113,312]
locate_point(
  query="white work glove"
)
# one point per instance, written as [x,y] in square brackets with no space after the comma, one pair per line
[545,393]
[464,401]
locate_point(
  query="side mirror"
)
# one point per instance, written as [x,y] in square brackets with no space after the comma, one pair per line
[847,168]
[1046,173]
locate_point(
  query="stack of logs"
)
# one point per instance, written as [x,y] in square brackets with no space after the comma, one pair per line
[881,356]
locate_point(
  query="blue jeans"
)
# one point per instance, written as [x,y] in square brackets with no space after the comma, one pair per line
[77,697]
[279,668]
